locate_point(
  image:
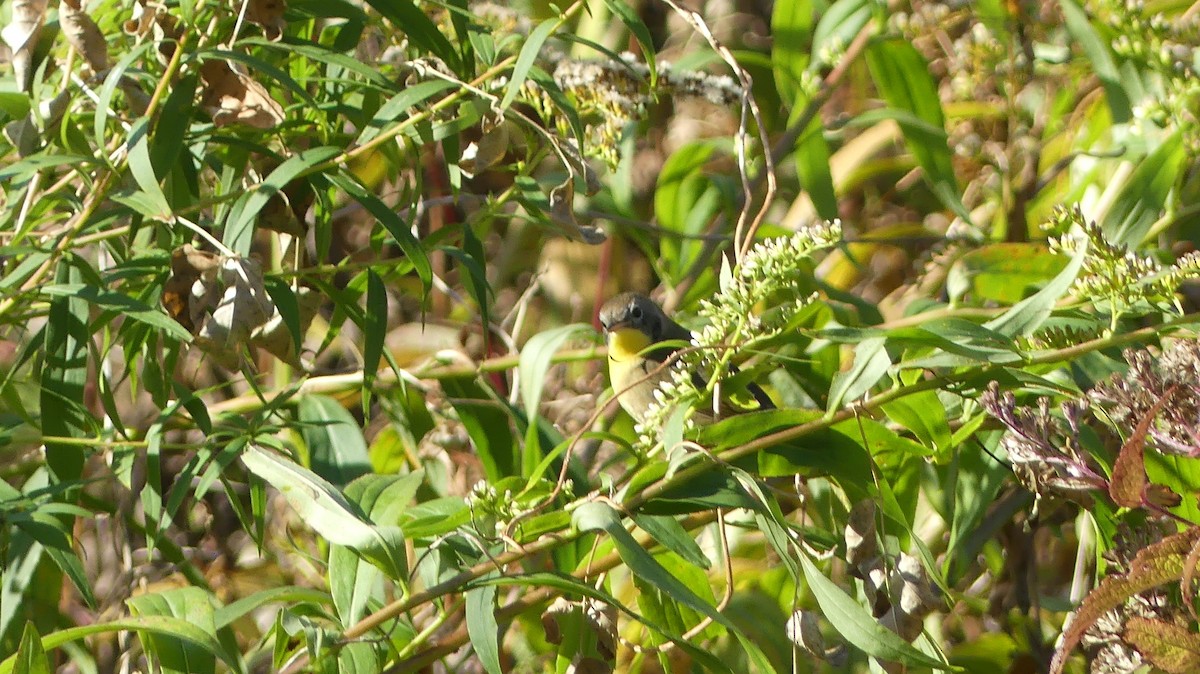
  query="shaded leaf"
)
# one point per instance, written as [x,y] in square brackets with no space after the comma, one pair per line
[65,345]
[167,626]
[857,626]
[1097,51]
[31,657]
[336,448]
[482,626]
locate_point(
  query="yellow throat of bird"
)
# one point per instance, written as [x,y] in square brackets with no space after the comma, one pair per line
[626,343]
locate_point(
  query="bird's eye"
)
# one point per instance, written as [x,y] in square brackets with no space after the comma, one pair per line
[636,312]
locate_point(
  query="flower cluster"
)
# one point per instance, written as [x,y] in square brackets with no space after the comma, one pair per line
[773,269]
[1113,273]
[1174,372]
[1044,448]
[1166,47]
[609,95]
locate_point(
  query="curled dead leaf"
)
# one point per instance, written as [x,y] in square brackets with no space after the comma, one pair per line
[21,35]
[244,304]
[805,632]
[486,152]
[861,542]
[83,34]
[232,97]
[223,302]
[598,619]
[151,21]
[562,211]
[186,294]
[26,133]
[268,14]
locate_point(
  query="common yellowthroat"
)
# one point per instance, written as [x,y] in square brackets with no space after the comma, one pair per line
[634,324]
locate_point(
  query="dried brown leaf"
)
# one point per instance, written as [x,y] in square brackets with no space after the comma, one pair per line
[562,211]
[861,541]
[152,21]
[268,14]
[244,305]
[26,133]
[234,98]
[1170,647]
[21,35]
[484,153]
[83,34]
[189,293]
[1128,484]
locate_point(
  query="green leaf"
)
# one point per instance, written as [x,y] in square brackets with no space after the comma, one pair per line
[374,332]
[871,363]
[640,32]
[291,594]
[529,53]
[142,168]
[321,506]
[239,224]
[171,125]
[285,301]
[839,24]
[597,516]
[791,30]
[353,582]
[167,626]
[837,451]
[176,653]
[1103,65]
[812,158]
[63,378]
[482,626]
[399,104]
[31,657]
[669,533]
[1027,315]
[573,587]
[358,657]
[488,421]
[535,360]
[122,304]
[1002,272]
[924,415]
[852,622]
[1144,195]
[336,448]
[49,532]
[902,77]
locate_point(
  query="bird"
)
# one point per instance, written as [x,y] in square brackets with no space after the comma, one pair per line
[634,323]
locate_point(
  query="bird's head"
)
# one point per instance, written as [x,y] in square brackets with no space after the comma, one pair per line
[633,322]
[633,311]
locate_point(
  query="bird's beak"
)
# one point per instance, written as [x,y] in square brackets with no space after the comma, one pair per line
[617,326]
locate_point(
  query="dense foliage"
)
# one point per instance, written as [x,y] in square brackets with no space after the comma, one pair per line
[300,368]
